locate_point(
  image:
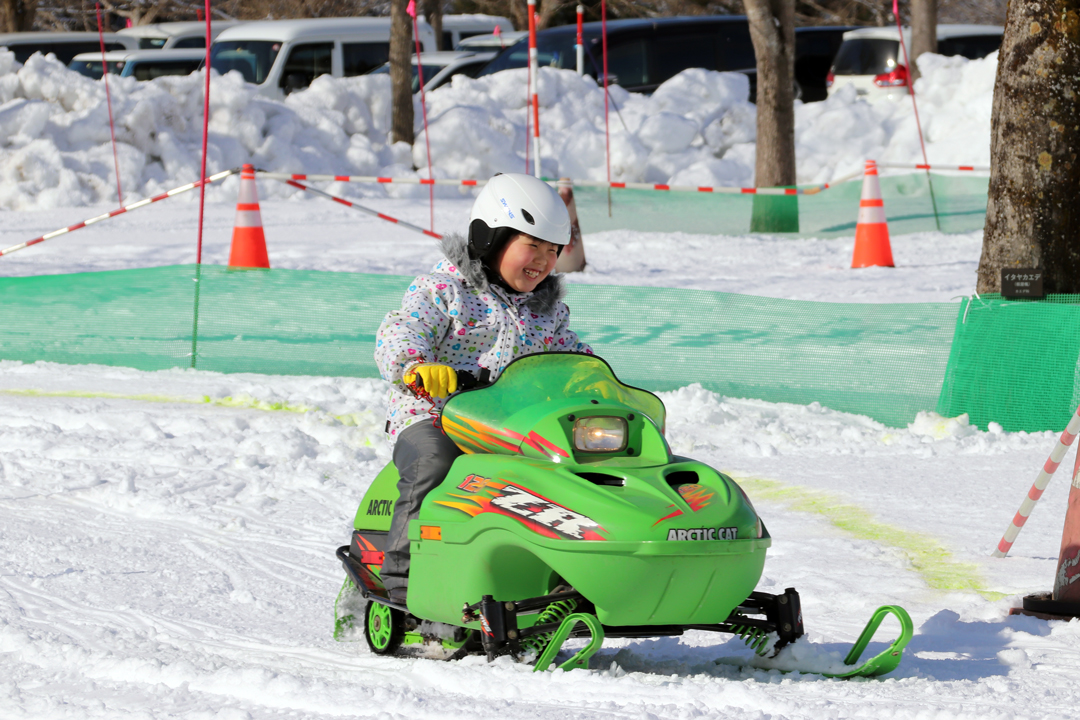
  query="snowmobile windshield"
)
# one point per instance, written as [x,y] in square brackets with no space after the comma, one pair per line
[546,378]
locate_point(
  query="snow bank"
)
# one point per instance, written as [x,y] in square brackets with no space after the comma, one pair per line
[700,420]
[697,128]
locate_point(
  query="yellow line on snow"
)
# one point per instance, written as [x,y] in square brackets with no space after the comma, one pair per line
[240,401]
[929,558]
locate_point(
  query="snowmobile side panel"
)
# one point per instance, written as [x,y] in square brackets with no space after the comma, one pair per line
[377,507]
[367,549]
[658,584]
[642,544]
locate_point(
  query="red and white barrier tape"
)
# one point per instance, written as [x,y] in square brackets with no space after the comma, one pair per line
[814,190]
[949,168]
[576,183]
[292,178]
[120,211]
[1037,488]
[362,209]
[369,179]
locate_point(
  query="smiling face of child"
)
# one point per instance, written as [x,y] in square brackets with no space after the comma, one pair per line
[525,261]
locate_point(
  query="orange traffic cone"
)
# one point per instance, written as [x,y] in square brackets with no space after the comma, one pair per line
[1064,602]
[248,239]
[871,231]
[1067,578]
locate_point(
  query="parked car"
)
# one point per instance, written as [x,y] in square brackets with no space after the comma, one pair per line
[871,59]
[642,53]
[815,48]
[456,28]
[139,64]
[166,36]
[64,45]
[494,42]
[440,67]
[282,56]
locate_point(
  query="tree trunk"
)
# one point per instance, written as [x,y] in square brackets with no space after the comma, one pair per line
[772,29]
[1033,210]
[519,15]
[17,15]
[433,12]
[545,13]
[401,95]
[923,32]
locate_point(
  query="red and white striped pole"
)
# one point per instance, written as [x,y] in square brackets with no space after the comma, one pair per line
[534,100]
[363,209]
[108,102]
[607,126]
[915,108]
[411,10]
[1039,485]
[580,47]
[120,211]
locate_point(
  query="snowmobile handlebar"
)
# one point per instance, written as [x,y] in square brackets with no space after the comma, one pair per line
[466,380]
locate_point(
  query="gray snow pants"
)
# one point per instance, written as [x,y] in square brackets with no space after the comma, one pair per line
[423,455]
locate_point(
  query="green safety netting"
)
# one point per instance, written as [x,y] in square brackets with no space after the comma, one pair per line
[1015,362]
[909,207]
[1010,362]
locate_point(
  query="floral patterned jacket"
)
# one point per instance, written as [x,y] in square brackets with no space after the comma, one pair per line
[454,316]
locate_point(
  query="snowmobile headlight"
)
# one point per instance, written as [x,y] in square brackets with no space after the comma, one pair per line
[600,434]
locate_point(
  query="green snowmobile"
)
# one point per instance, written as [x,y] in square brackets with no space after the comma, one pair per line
[568,516]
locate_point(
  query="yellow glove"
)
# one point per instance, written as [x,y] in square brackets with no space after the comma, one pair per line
[439,380]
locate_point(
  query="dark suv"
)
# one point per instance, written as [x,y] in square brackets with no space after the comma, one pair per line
[644,53]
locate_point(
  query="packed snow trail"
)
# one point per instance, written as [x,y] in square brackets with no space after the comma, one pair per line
[931,266]
[175,559]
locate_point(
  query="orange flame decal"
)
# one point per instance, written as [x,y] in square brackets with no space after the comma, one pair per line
[527,508]
[696,496]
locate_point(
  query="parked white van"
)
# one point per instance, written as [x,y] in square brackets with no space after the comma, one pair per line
[176,35]
[282,56]
[64,45]
[456,28]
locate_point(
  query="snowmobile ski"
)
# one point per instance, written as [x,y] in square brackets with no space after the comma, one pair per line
[882,663]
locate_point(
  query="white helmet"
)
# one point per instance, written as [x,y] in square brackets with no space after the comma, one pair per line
[511,203]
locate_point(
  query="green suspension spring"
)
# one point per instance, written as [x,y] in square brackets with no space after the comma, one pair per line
[556,612]
[755,638]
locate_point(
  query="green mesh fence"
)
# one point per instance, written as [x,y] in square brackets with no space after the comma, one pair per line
[1015,362]
[961,204]
[1011,362]
[885,361]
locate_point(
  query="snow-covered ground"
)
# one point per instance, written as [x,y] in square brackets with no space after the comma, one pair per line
[316,234]
[167,557]
[167,538]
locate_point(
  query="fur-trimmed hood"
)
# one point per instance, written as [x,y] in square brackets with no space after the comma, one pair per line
[544,299]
